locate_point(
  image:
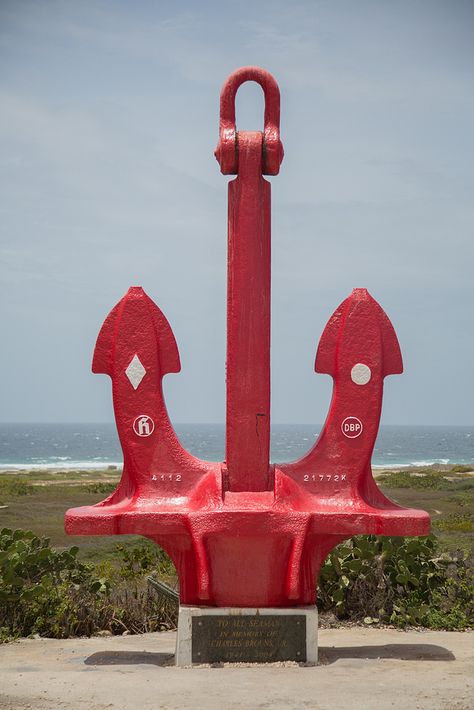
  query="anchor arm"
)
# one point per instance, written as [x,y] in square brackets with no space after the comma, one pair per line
[136,348]
[358,348]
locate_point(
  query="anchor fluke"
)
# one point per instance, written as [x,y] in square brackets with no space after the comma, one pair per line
[359,320]
[130,314]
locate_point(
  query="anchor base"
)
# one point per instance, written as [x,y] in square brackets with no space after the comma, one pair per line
[246,635]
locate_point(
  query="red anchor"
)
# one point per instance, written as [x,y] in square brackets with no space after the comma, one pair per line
[245,533]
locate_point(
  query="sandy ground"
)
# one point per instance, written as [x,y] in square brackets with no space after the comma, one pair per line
[371,669]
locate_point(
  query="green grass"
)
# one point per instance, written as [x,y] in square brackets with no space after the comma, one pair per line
[13,487]
[463,498]
[443,500]
[456,522]
[42,511]
[434,480]
[67,475]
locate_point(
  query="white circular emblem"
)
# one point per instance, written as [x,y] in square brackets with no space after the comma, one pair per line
[143,425]
[361,374]
[352,427]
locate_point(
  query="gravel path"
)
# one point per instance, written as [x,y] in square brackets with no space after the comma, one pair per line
[371,669]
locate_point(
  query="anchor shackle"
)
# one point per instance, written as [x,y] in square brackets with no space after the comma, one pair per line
[227,151]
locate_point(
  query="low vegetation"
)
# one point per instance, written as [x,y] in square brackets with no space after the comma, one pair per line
[461,468]
[400,581]
[11,487]
[49,588]
[433,480]
[456,522]
[51,593]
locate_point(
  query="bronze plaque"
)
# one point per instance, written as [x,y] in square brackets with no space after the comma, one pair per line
[248,638]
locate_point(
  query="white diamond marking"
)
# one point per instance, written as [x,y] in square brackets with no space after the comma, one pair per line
[135,372]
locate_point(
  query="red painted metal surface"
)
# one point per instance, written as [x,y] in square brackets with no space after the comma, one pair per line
[244,532]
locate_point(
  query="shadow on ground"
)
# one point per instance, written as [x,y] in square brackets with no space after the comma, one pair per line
[128,658]
[327,655]
[400,651]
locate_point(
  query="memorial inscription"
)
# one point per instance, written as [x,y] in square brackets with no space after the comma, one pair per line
[248,638]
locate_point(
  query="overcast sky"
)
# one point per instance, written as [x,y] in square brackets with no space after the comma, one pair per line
[108,123]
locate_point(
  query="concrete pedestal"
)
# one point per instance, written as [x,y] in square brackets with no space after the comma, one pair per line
[233,635]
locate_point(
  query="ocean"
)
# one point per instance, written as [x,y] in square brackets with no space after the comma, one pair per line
[41,446]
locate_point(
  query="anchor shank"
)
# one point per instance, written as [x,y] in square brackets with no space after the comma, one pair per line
[248,322]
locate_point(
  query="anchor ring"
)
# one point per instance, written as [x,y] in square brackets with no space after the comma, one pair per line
[227,149]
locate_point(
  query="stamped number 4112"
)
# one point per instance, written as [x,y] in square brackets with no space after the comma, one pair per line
[166,477]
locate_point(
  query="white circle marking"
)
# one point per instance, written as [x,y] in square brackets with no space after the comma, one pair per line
[351,427]
[361,374]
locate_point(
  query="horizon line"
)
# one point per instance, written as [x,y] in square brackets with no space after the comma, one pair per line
[223,424]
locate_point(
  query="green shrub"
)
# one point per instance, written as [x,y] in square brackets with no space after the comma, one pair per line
[464,485]
[39,587]
[11,487]
[53,594]
[402,581]
[434,480]
[462,468]
[463,498]
[101,487]
[143,558]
